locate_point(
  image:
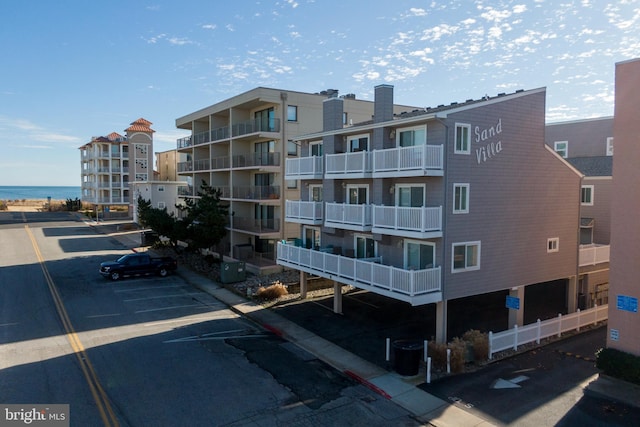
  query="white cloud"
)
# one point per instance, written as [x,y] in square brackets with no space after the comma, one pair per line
[418,11]
[209,27]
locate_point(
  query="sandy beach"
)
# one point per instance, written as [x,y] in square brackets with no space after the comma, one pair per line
[30,205]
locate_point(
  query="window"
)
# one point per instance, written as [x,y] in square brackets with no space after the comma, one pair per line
[610,146]
[292,148]
[315,148]
[315,193]
[292,113]
[344,118]
[365,247]
[460,198]
[553,245]
[586,195]
[311,237]
[357,195]
[264,152]
[358,143]
[292,183]
[160,187]
[265,120]
[161,205]
[463,139]
[410,195]
[465,257]
[562,148]
[412,136]
[419,255]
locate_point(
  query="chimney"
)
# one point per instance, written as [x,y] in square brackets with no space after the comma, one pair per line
[332,112]
[383,108]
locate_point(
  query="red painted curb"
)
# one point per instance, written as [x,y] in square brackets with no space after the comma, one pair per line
[367,384]
[276,331]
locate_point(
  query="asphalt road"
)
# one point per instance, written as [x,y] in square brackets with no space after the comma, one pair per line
[149,351]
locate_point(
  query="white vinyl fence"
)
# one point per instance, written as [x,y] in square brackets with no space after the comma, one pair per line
[512,338]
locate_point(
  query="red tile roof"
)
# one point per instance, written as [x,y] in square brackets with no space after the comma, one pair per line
[140,125]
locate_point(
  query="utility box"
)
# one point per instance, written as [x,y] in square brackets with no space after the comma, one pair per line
[232,272]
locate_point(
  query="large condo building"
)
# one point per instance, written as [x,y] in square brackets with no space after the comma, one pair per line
[459,206]
[110,162]
[239,146]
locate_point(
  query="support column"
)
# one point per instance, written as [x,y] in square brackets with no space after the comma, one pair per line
[337,297]
[572,294]
[516,317]
[441,322]
[303,285]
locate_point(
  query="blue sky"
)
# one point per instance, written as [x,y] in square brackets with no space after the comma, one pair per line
[71,70]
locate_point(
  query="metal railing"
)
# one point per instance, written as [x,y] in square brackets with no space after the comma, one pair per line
[420,219]
[361,273]
[512,338]
[594,254]
[256,159]
[255,125]
[417,158]
[304,167]
[345,213]
[349,163]
[300,210]
[253,192]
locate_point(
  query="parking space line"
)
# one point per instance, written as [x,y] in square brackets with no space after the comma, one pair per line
[174,307]
[149,287]
[162,296]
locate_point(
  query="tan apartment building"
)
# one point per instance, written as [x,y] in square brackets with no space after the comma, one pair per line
[109,163]
[624,290]
[239,145]
[166,165]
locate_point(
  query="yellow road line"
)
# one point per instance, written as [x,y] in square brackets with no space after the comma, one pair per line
[99,396]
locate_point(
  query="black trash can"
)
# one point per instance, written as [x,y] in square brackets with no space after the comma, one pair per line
[407,356]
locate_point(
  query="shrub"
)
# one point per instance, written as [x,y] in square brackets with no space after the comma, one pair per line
[438,354]
[271,292]
[619,364]
[3,205]
[480,342]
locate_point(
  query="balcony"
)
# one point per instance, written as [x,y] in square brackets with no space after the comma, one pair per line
[304,168]
[593,254]
[348,216]
[416,287]
[203,137]
[261,192]
[201,165]
[185,167]
[415,222]
[255,126]
[256,160]
[303,212]
[222,162]
[349,165]
[257,226]
[419,160]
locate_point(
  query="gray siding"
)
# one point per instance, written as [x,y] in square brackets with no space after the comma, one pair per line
[520,196]
[586,138]
[601,209]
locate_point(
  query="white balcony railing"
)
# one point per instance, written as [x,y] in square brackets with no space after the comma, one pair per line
[415,160]
[303,212]
[358,163]
[416,219]
[350,216]
[594,254]
[304,167]
[414,286]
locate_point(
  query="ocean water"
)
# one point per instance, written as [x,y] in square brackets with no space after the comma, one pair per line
[37,192]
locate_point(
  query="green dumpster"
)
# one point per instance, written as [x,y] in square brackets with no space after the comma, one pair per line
[232,272]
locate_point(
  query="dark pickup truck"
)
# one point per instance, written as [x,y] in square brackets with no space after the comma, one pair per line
[138,264]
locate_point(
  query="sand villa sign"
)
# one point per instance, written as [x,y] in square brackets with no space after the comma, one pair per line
[487,136]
